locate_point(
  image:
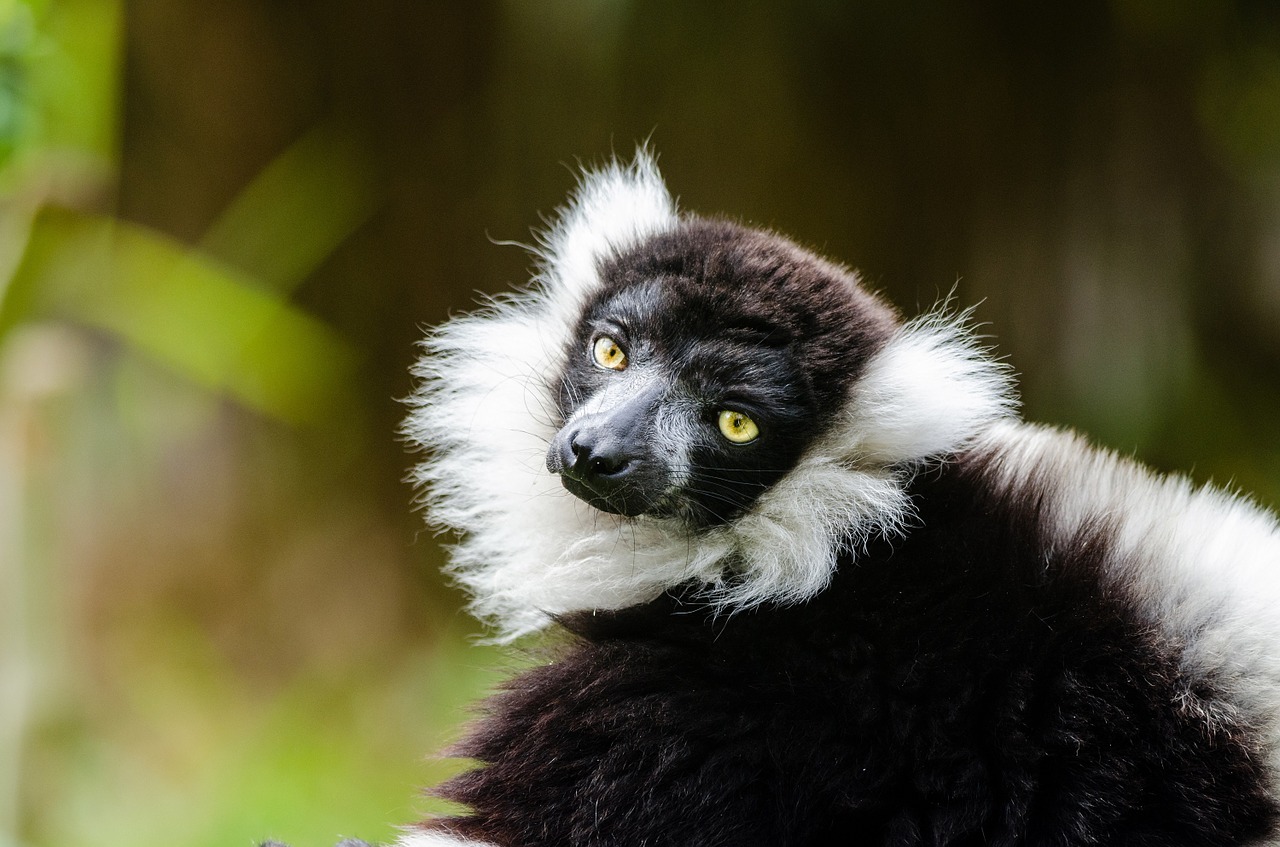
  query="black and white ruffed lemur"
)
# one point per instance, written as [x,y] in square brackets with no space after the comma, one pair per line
[818,584]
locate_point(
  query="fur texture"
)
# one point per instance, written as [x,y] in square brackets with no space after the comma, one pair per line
[902,617]
[435,839]
[1201,567]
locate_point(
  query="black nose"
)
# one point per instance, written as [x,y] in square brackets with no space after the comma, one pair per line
[604,468]
[594,456]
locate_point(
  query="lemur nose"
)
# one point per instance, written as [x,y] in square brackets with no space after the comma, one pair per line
[593,456]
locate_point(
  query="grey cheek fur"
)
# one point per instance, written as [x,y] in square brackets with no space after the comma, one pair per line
[677,431]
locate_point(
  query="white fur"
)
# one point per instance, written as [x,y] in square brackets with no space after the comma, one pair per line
[529,550]
[436,839]
[927,392]
[1203,565]
[484,410]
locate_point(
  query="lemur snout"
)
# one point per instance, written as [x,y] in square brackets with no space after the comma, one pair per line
[595,458]
[598,462]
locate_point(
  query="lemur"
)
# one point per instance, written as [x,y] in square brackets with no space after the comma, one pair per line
[815,582]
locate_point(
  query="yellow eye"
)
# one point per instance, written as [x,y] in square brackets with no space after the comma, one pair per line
[738,427]
[608,354]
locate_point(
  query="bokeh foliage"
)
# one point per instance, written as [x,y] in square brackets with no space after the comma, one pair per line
[222,227]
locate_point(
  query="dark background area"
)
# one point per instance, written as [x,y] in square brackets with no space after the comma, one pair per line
[224,226]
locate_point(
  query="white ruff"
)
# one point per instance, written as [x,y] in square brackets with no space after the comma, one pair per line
[484,411]
[1202,565]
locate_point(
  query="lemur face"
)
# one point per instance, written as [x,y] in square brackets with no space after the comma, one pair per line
[671,412]
[706,364]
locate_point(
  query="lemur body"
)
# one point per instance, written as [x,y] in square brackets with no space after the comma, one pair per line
[820,585]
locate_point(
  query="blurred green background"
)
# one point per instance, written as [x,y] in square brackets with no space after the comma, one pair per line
[223,225]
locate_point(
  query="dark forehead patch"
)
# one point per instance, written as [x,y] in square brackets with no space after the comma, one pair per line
[717,281]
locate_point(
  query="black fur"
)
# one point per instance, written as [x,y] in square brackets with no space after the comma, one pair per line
[710,284]
[959,686]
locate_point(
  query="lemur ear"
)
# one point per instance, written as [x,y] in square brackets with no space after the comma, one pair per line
[613,209]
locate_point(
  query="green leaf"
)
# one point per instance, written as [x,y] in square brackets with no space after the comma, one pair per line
[214,324]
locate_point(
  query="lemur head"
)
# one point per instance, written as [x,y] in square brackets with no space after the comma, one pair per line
[677,401]
[710,357]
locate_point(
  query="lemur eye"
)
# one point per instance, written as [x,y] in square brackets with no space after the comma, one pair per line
[738,427]
[608,354]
